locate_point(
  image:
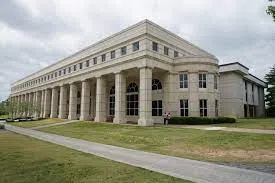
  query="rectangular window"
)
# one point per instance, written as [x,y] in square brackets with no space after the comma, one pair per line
[69,70]
[113,54]
[203,107]
[216,108]
[60,73]
[103,57]
[157,108]
[155,46]
[64,71]
[80,65]
[184,110]
[95,60]
[123,50]
[51,76]
[135,46]
[202,80]
[74,67]
[252,93]
[87,63]
[78,109]
[112,105]
[245,85]
[184,80]
[176,54]
[132,105]
[215,82]
[166,50]
[48,77]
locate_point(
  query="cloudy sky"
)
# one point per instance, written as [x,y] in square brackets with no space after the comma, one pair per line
[34,34]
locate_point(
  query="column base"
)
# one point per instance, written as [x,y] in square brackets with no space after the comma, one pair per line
[84,118]
[145,122]
[119,120]
[62,116]
[53,116]
[72,117]
[100,119]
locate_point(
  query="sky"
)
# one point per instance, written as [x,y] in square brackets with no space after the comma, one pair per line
[35,34]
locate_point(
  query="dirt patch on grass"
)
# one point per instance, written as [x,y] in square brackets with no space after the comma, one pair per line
[223,155]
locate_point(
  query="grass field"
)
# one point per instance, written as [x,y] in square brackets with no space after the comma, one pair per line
[30,124]
[217,146]
[4,116]
[25,159]
[259,123]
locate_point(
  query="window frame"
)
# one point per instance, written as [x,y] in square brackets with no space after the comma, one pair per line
[203,107]
[113,54]
[184,107]
[202,80]
[183,81]
[95,60]
[176,54]
[123,50]
[103,57]
[215,82]
[155,46]
[157,111]
[135,46]
[166,50]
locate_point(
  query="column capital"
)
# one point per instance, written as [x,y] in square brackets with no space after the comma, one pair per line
[146,67]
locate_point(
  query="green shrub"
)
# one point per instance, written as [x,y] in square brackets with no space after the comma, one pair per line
[2,126]
[200,120]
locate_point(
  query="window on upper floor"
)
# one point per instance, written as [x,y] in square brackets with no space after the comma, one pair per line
[202,80]
[123,50]
[52,76]
[156,84]
[166,50]
[157,108]
[183,80]
[48,77]
[113,54]
[215,81]
[64,71]
[55,74]
[87,63]
[60,73]
[80,65]
[136,46]
[103,57]
[69,69]
[176,54]
[74,67]
[155,46]
[95,60]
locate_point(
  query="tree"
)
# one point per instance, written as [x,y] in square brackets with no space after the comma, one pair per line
[270,96]
[271,10]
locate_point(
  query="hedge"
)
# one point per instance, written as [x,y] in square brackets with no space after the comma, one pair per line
[200,120]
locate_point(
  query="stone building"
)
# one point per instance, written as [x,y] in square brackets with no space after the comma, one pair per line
[138,74]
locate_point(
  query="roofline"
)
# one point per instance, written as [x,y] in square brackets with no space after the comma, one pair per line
[257,78]
[232,63]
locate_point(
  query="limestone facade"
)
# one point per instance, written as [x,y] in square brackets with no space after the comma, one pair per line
[135,75]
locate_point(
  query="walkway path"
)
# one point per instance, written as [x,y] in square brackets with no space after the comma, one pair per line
[229,129]
[178,167]
[54,124]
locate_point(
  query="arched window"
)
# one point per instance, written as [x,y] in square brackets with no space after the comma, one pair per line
[112,101]
[132,87]
[132,99]
[156,84]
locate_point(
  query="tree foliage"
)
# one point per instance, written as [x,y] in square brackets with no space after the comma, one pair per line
[271,10]
[270,96]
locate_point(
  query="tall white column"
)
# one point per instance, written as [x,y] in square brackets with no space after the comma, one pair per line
[47,103]
[26,100]
[30,109]
[38,103]
[85,100]
[54,103]
[100,99]
[42,104]
[120,90]
[73,102]
[145,97]
[63,102]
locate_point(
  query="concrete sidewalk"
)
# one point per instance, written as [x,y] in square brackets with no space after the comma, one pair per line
[193,170]
[54,124]
[229,129]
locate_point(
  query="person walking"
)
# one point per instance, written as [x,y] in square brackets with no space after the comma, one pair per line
[164,118]
[168,118]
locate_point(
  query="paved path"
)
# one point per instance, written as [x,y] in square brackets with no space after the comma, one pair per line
[193,170]
[54,124]
[229,129]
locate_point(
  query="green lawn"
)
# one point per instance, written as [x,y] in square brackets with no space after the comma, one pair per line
[259,123]
[4,116]
[216,146]
[30,124]
[24,159]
